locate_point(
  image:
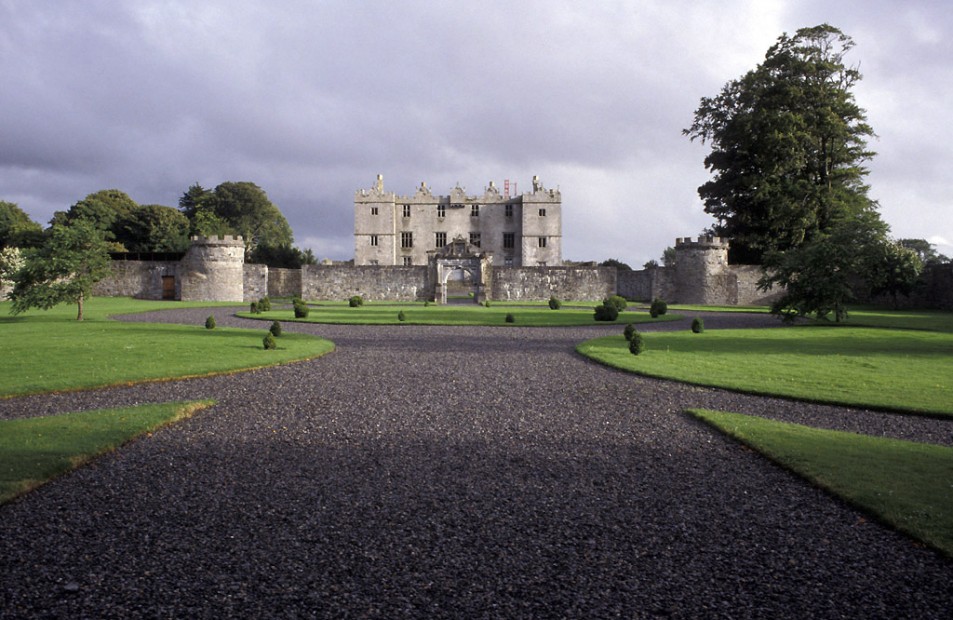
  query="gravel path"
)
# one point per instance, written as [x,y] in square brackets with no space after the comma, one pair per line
[429,472]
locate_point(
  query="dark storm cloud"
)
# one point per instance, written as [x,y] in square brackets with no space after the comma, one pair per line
[312,100]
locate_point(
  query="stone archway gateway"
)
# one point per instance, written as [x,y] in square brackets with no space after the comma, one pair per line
[460,262]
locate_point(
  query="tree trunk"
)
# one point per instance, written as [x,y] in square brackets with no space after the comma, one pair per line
[79,304]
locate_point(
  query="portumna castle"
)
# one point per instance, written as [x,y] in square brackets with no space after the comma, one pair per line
[519,231]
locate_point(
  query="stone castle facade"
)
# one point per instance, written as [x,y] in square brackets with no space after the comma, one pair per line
[518,231]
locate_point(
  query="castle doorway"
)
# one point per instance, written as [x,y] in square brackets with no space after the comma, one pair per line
[168,288]
[460,286]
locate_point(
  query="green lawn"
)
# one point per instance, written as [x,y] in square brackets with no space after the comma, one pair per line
[526,315]
[51,351]
[906,484]
[36,450]
[902,370]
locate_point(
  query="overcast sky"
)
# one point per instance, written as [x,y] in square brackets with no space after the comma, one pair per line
[311,100]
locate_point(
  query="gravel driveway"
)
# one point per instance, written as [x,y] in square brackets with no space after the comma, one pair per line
[430,472]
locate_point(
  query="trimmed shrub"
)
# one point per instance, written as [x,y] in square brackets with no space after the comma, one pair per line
[606,312]
[698,325]
[269,342]
[275,329]
[356,301]
[301,309]
[486,304]
[264,304]
[254,308]
[618,302]
[510,318]
[628,331]
[427,304]
[635,343]
[554,303]
[401,316]
[210,322]
[658,307]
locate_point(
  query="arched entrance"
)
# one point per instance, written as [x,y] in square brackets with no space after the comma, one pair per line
[460,273]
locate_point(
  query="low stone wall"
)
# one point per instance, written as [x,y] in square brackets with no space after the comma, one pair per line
[255,282]
[745,290]
[284,282]
[540,283]
[140,279]
[647,284]
[372,282]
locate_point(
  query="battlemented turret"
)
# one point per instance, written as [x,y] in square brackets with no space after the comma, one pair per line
[700,269]
[213,269]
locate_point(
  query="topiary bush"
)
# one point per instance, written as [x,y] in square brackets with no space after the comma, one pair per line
[658,307]
[606,312]
[254,308]
[210,322]
[619,302]
[510,318]
[356,301]
[401,316]
[628,331]
[275,329]
[486,304]
[698,325]
[554,303]
[269,342]
[301,309]
[635,343]
[264,304]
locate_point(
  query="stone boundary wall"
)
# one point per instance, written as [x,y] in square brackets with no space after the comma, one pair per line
[255,282]
[372,282]
[539,283]
[934,291]
[284,282]
[140,279]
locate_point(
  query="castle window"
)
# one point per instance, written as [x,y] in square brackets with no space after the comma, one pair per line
[373,210]
[408,261]
[508,210]
[442,211]
[542,213]
[542,242]
[441,239]
[374,262]
[406,239]
[508,261]
[374,240]
[406,210]
[509,241]
[475,211]
[475,239]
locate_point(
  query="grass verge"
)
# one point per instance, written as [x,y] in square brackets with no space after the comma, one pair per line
[33,451]
[529,315]
[898,370]
[905,484]
[51,351]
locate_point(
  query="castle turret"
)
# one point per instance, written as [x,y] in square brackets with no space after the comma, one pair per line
[701,267]
[213,269]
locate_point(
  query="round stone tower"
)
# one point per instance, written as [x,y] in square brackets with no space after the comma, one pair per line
[701,269]
[213,269]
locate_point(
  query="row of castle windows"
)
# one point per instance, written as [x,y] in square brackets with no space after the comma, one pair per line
[440,240]
[474,211]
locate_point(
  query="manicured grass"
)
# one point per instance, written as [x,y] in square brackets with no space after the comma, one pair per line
[902,370]
[906,484]
[51,351]
[930,320]
[526,315]
[36,450]
[696,308]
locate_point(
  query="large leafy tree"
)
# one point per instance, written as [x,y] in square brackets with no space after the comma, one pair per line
[16,228]
[106,210]
[154,228]
[788,144]
[62,270]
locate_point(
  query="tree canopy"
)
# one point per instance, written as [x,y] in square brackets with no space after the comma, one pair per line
[64,269]
[788,143]
[16,228]
[240,208]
